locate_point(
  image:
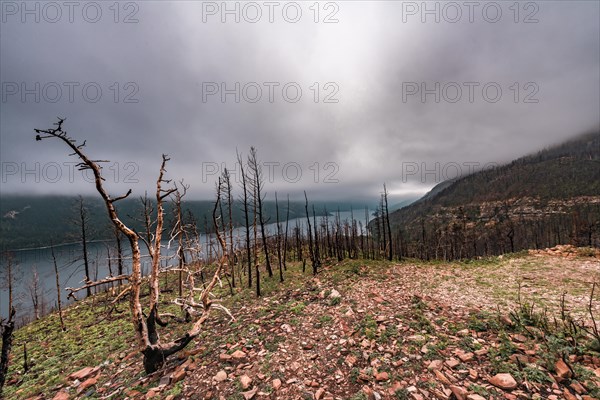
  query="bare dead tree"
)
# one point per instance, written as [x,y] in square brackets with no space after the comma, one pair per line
[154,352]
[146,219]
[310,235]
[193,244]
[119,251]
[377,235]
[207,242]
[220,190]
[228,194]
[255,231]
[328,245]
[339,240]
[58,301]
[35,293]
[383,237]
[258,181]
[285,240]
[109,259]
[178,231]
[317,255]
[205,303]
[387,223]
[353,235]
[246,217]
[83,222]
[368,246]
[298,242]
[95,268]
[278,242]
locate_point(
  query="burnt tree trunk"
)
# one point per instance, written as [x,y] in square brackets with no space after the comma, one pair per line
[278,240]
[232,257]
[246,219]
[309,232]
[86,264]
[58,301]
[387,219]
[317,262]
[258,182]
[285,240]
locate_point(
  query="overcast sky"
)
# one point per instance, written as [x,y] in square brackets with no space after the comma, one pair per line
[362,118]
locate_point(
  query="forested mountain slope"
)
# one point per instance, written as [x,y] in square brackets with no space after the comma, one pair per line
[540,200]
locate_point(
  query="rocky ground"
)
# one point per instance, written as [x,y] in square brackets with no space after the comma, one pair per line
[492,329]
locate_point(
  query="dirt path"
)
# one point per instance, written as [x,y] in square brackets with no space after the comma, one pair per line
[410,331]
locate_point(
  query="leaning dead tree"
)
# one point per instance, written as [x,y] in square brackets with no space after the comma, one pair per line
[144,319]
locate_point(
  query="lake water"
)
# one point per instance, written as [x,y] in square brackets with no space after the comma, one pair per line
[71,269]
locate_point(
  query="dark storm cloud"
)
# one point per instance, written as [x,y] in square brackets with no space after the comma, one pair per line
[372,134]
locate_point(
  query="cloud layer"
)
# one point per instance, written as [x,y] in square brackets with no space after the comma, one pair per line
[373,66]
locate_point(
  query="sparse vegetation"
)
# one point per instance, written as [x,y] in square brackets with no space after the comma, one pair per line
[379,328]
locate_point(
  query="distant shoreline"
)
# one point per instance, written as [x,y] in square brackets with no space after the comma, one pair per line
[55,246]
